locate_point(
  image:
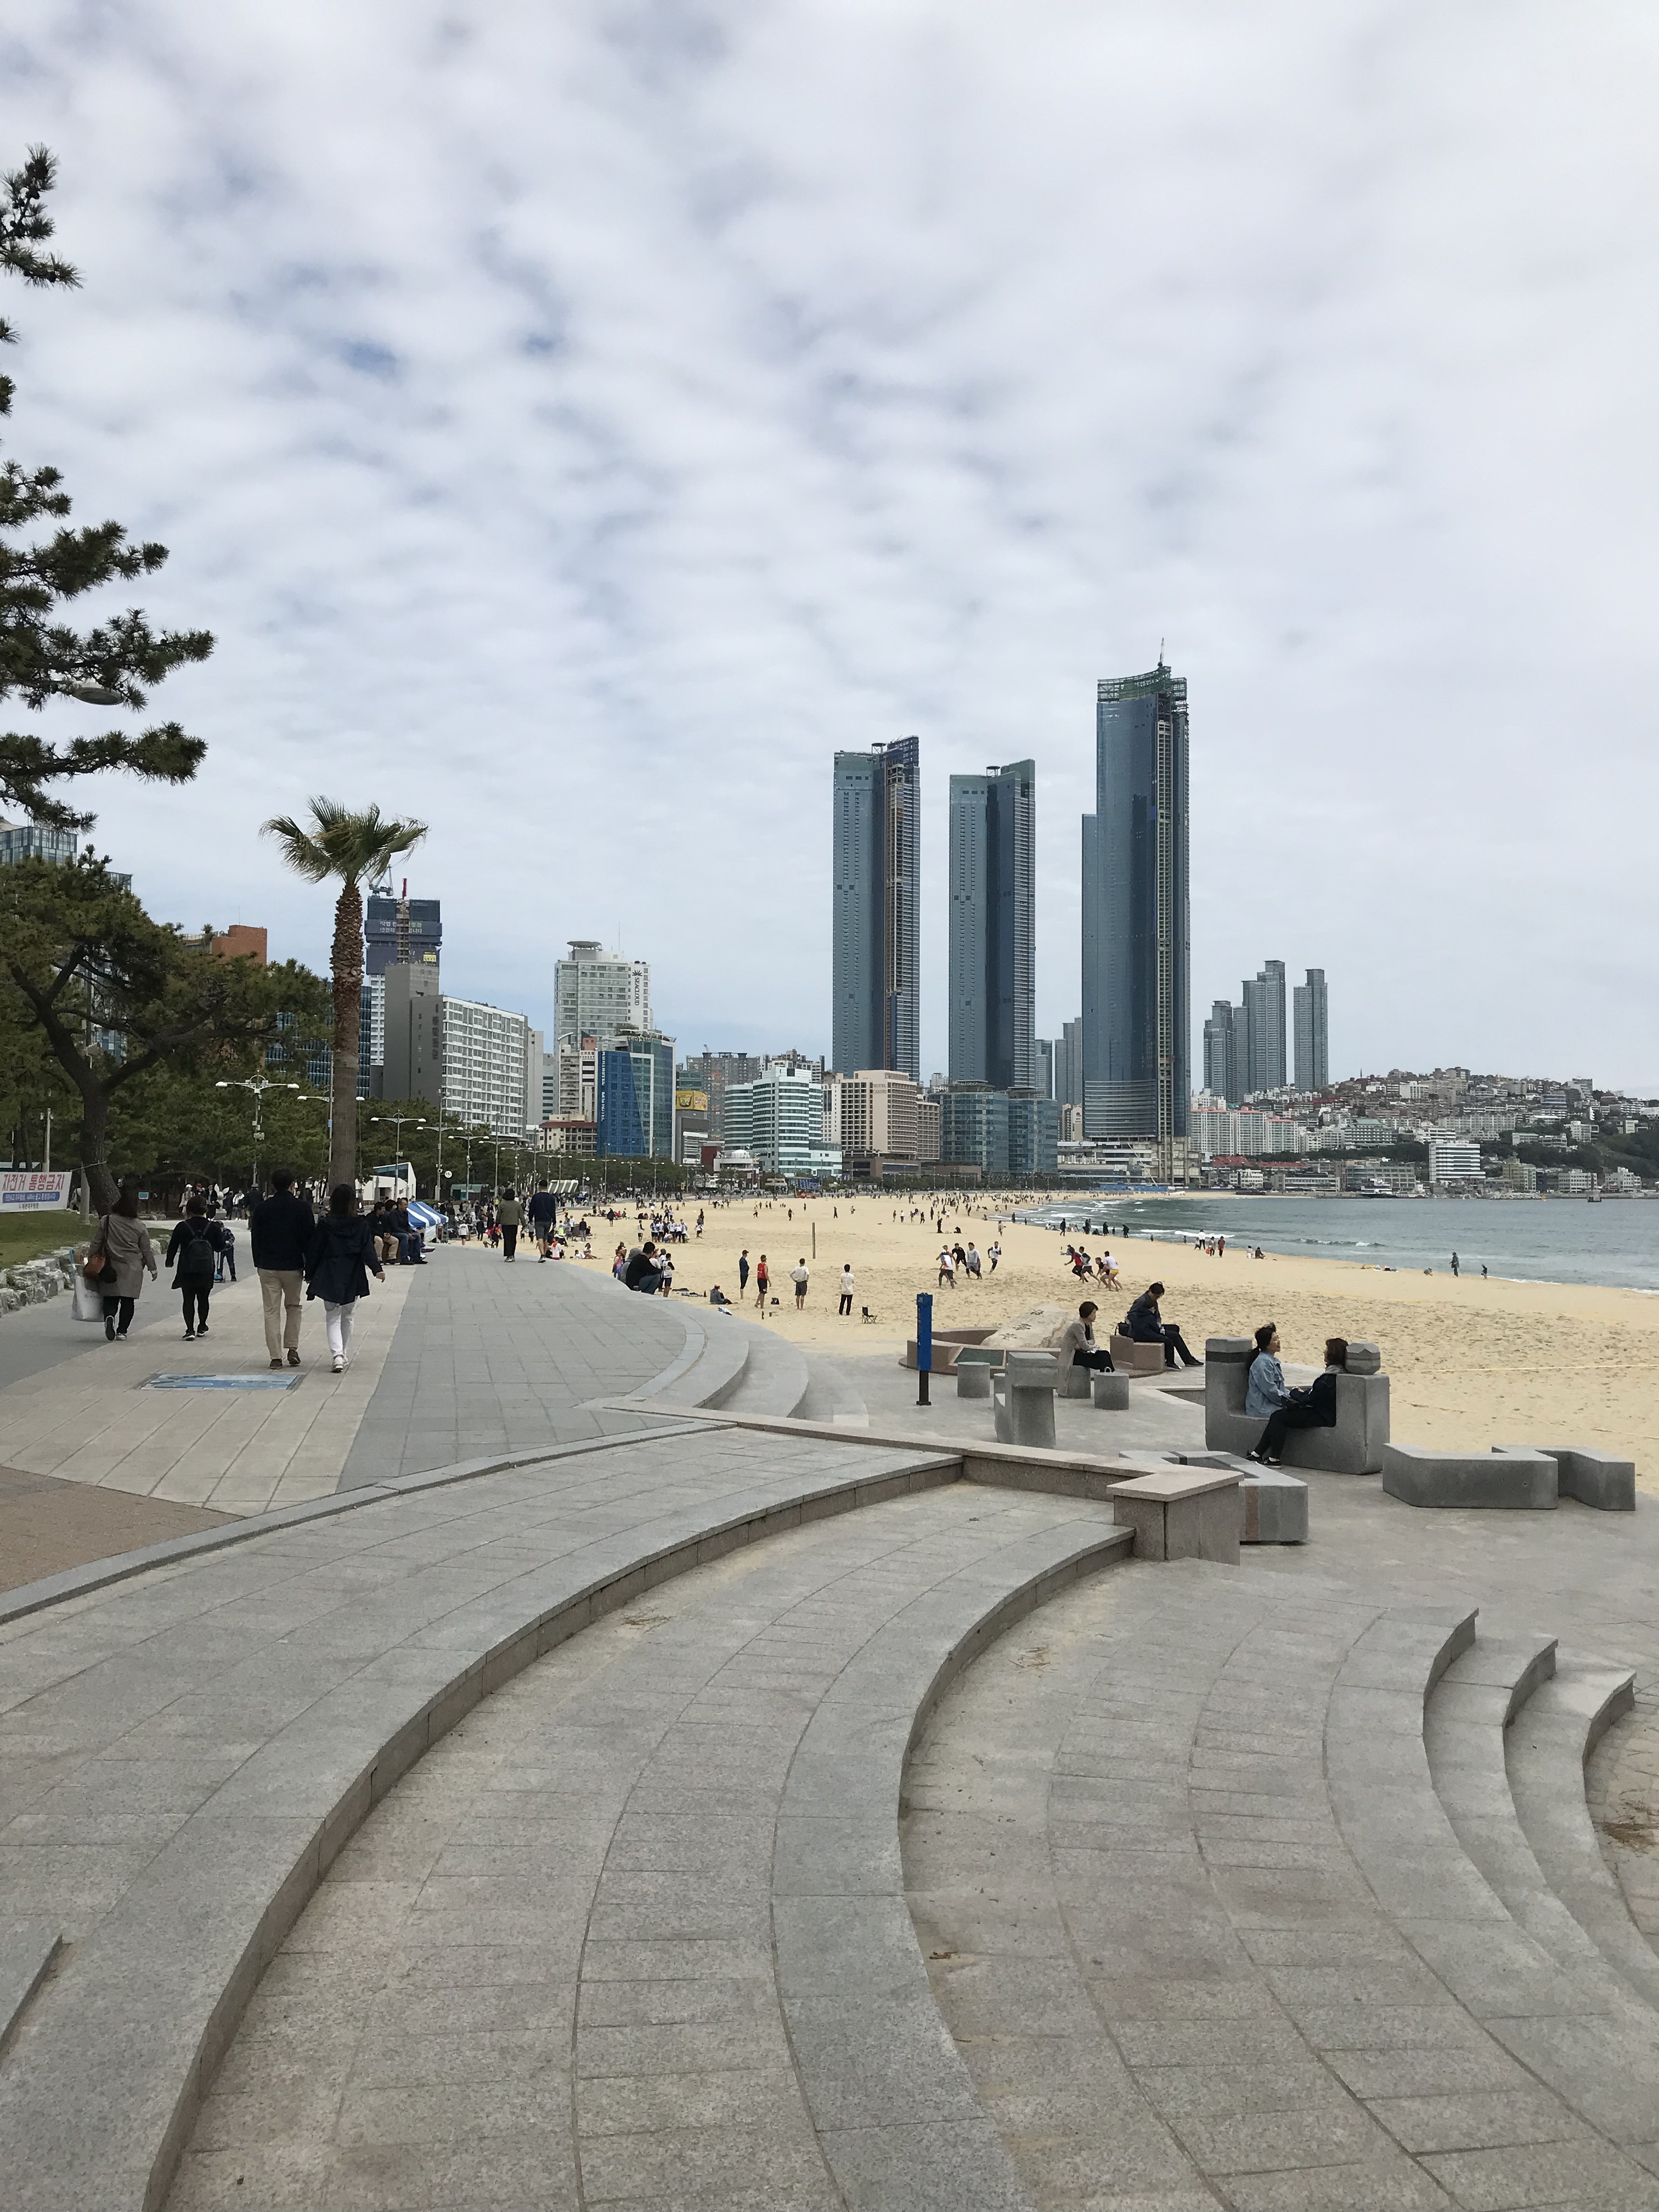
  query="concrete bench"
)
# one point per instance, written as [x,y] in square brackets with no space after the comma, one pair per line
[1180,1512]
[1594,1478]
[1132,1358]
[1109,1393]
[1273,1507]
[1508,1478]
[975,1364]
[1354,1446]
[1023,1391]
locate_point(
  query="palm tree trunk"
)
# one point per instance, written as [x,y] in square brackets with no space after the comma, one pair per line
[348,1007]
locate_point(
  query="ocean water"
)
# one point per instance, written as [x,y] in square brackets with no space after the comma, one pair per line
[1555,1240]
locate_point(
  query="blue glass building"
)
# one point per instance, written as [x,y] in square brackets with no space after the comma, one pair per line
[618,1134]
[993,927]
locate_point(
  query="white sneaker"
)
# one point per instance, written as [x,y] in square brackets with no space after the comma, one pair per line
[339,1364]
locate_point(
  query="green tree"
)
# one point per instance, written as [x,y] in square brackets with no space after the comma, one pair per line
[115,995]
[42,657]
[356,849]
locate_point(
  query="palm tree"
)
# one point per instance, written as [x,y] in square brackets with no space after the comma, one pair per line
[357,848]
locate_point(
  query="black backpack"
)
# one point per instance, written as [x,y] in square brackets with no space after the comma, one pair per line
[198,1261]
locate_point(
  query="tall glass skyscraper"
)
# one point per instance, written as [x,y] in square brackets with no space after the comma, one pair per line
[875,927]
[993,927]
[1313,1051]
[1135,959]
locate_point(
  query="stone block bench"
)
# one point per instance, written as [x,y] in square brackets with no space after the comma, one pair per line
[975,1363]
[1354,1446]
[1506,1479]
[1024,1392]
[1180,1512]
[1594,1478]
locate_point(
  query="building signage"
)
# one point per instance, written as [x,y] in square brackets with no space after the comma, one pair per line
[691,1101]
[22,1191]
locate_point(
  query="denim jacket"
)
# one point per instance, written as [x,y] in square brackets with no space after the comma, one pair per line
[1267,1392]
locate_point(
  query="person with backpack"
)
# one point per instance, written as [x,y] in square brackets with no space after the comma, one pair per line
[194,1245]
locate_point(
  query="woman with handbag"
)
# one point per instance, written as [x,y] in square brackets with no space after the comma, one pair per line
[120,1253]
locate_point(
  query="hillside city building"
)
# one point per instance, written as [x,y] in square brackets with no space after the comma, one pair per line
[875,947]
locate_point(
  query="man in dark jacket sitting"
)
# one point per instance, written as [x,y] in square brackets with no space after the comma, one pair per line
[1147,1326]
[641,1273]
[1312,1408]
[280,1230]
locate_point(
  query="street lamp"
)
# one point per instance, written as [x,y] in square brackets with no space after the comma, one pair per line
[398,1120]
[258,1085]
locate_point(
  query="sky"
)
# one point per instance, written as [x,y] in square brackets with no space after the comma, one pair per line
[577,423]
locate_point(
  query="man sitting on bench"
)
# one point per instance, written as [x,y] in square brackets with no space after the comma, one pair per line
[1312,1408]
[1077,1347]
[1146,1325]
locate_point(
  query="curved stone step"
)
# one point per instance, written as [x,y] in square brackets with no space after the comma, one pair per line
[774,1377]
[254,1703]
[582,1952]
[1552,1737]
[1581,2038]
[831,1395]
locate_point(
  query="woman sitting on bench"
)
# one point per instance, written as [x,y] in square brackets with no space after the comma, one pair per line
[1077,1347]
[1312,1408]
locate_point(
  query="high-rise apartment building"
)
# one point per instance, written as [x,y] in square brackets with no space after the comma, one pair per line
[874,1116]
[994,927]
[875,924]
[599,993]
[1264,1025]
[1135,959]
[779,1118]
[398,932]
[1313,1052]
[492,1066]
[1042,1066]
[1068,1064]
[1226,1052]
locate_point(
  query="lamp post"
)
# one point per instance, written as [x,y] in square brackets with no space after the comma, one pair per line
[397,1122]
[258,1085]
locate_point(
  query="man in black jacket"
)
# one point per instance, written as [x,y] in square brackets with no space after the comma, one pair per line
[1147,1325]
[641,1273]
[280,1228]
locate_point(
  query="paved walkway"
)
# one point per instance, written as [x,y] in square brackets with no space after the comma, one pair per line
[47,1526]
[491,1357]
[83,1414]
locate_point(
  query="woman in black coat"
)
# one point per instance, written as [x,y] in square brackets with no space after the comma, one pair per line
[341,1256]
[195,1247]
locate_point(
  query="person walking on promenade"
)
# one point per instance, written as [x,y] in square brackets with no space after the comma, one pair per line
[194,1244]
[279,1229]
[543,1218]
[846,1290]
[339,1260]
[124,1246]
[224,1248]
[800,1275]
[743,1274]
[509,1212]
[762,1280]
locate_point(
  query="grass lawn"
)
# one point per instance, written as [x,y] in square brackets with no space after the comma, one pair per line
[25,1235]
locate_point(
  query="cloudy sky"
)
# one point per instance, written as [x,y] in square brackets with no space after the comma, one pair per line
[578,422]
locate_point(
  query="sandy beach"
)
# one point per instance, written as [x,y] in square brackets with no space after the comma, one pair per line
[1470,1363]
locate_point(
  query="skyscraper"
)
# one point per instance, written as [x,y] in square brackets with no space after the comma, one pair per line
[1135,963]
[1226,1052]
[1068,1063]
[993,927]
[875,937]
[1313,1055]
[1264,1023]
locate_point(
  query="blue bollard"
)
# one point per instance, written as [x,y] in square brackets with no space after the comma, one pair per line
[924,1342]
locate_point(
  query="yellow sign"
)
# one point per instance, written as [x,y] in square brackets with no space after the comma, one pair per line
[691,1101]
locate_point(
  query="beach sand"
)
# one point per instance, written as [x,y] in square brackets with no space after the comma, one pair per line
[1470,1364]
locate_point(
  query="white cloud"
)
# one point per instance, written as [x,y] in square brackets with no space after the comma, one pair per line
[578,423]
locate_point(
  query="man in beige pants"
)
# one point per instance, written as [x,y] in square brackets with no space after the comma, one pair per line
[280,1228]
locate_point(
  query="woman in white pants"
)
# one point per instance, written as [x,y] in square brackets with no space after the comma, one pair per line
[342,1255]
